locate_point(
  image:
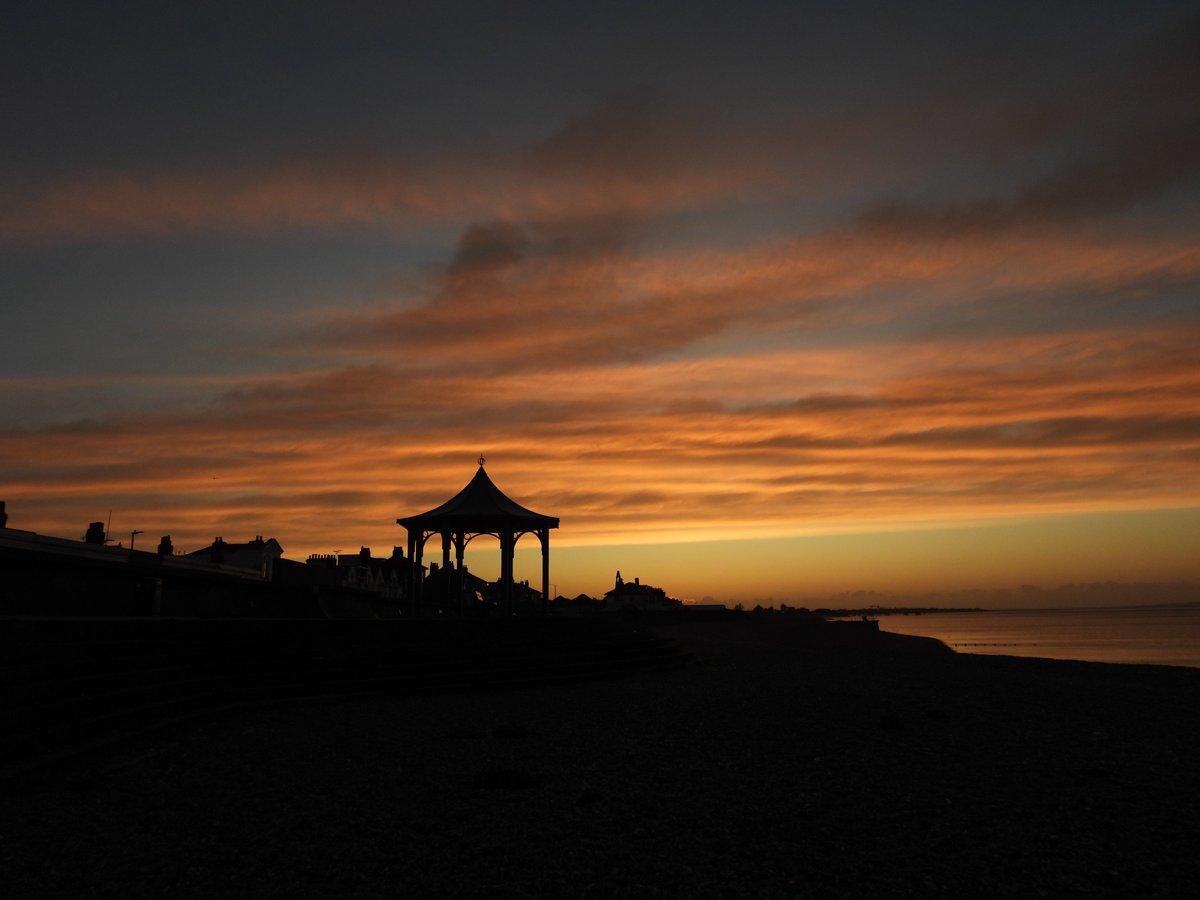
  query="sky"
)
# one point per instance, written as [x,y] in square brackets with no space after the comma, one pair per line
[762,300]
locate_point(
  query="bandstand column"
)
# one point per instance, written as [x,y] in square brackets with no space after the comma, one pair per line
[459,548]
[506,572]
[544,537]
[446,568]
[415,545]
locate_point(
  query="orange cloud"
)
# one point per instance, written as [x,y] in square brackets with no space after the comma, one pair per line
[749,445]
[515,299]
[617,162]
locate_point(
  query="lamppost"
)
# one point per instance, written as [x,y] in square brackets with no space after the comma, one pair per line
[132,535]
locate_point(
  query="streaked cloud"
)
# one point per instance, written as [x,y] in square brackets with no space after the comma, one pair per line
[621,160]
[668,449]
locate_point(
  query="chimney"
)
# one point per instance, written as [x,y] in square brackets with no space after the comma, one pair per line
[165,547]
[397,553]
[364,555]
[95,533]
[217,552]
[3,516]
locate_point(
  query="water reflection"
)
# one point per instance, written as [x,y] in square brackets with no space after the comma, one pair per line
[1158,635]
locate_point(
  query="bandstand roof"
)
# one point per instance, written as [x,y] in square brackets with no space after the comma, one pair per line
[478,506]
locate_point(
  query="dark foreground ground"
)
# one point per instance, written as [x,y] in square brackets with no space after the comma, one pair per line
[779,766]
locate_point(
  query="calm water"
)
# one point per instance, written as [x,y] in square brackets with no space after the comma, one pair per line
[1146,634]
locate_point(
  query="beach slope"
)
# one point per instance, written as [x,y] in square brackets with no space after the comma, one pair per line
[786,762]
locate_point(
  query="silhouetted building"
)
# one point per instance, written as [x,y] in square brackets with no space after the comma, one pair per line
[386,576]
[455,590]
[579,605]
[637,596]
[48,576]
[257,555]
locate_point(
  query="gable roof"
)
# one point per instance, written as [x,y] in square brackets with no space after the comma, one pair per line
[479,505]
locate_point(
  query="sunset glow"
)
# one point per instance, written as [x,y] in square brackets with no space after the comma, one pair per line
[932,330]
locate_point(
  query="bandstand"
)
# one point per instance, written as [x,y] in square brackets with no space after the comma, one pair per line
[480,508]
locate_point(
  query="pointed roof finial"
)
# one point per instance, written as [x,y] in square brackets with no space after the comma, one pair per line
[481,460]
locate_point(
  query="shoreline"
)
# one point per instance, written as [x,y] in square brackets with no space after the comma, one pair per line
[1129,636]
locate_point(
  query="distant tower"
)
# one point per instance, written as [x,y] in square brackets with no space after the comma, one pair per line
[620,583]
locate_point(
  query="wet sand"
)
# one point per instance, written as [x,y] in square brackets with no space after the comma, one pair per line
[785,763]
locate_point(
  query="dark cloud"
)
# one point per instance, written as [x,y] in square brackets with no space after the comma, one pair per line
[1121,174]
[1105,179]
[489,246]
[1057,432]
[1125,135]
[540,297]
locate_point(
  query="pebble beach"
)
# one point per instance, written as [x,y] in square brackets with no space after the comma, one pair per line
[785,762]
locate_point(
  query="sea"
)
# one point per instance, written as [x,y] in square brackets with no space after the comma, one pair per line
[1159,635]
